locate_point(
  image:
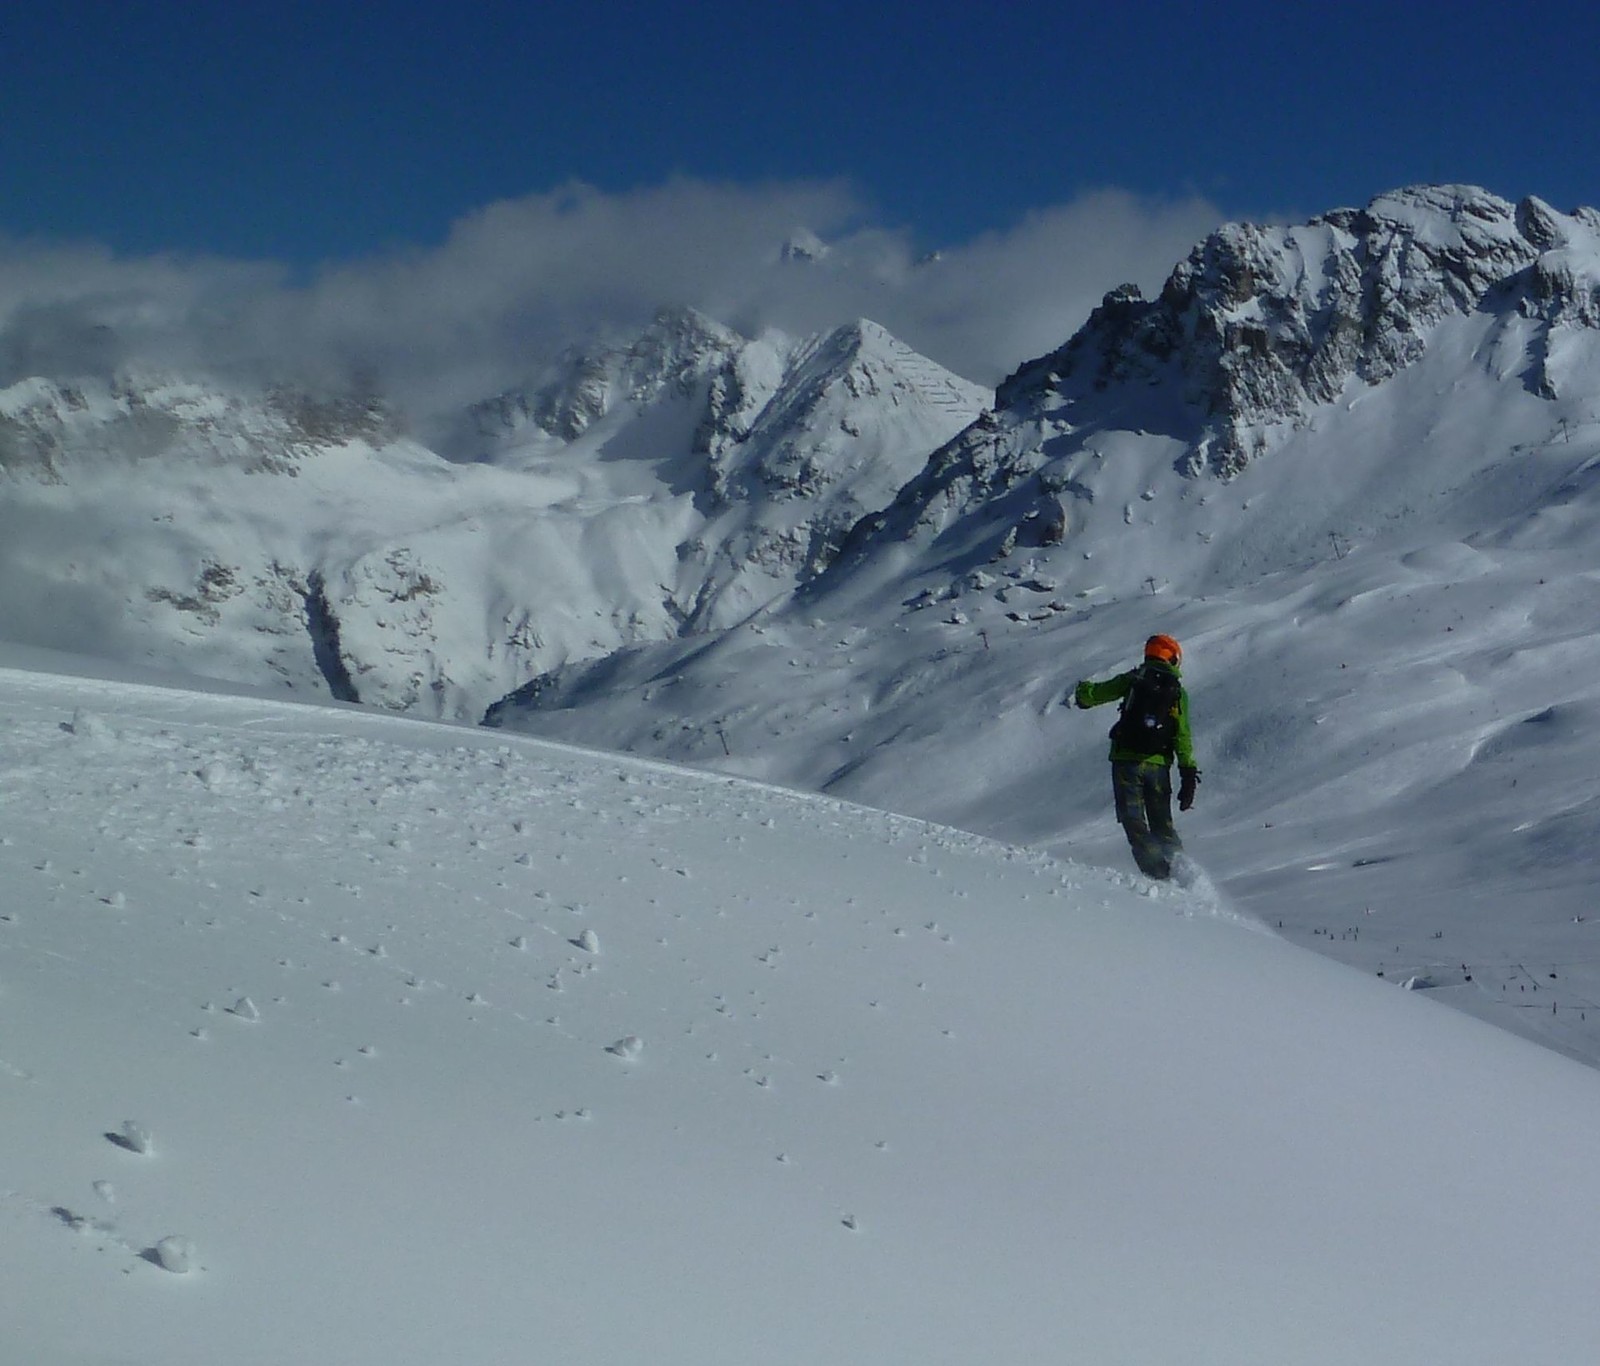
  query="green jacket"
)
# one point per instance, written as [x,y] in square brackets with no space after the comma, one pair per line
[1088,694]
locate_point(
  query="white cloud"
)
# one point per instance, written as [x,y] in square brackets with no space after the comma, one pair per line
[517,280]
[69,309]
[984,307]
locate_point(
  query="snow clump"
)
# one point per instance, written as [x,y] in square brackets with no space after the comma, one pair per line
[134,1137]
[174,1254]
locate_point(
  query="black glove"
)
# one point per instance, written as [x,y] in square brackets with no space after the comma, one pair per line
[1188,780]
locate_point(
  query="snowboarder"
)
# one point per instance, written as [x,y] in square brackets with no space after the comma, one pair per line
[1152,730]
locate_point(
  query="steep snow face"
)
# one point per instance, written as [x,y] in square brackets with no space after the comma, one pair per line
[674,355]
[249,537]
[1560,291]
[853,421]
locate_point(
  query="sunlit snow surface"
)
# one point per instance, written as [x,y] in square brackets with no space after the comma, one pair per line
[1391,649]
[328,1037]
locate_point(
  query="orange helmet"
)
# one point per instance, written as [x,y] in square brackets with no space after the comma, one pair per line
[1165,648]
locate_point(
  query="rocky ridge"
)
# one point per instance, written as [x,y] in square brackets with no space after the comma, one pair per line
[48,426]
[1254,334]
[674,354]
[1266,323]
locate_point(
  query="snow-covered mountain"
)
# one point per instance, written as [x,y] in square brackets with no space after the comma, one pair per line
[645,490]
[1352,463]
[330,1034]
[792,442]
[1440,302]
[1265,325]
[1355,466]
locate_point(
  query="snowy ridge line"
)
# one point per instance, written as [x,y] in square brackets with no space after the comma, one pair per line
[477,738]
[454,734]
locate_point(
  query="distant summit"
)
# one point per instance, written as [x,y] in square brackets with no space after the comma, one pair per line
[679,348]
[1262,324]
[803,245]
[633,492]
[1368,367]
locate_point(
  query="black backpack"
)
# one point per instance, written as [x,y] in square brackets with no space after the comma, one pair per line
[1148,719]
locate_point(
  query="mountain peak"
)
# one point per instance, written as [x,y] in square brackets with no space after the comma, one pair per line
[678,348]
[1262,323]
[803,245]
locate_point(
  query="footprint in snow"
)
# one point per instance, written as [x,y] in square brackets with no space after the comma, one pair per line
[88,725]
[133,1137]
[81,1223]
[175,1253]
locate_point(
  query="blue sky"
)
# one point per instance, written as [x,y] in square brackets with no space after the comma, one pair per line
[310,132]
[444,196]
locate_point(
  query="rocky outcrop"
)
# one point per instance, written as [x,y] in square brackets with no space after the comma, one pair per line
[1262,324]
[675,354]
[47,425]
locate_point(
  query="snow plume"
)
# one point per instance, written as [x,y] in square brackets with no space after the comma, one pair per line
[516,281]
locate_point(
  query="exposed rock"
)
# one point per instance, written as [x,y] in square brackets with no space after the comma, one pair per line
[1251,334]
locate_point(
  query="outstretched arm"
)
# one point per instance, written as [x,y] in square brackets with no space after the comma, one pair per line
[1091,694]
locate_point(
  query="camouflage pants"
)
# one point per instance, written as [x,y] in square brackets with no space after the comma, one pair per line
[1143,794]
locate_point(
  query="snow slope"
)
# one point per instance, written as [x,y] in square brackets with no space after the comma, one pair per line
[1398,741]
[1392,648]
[330,1036]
